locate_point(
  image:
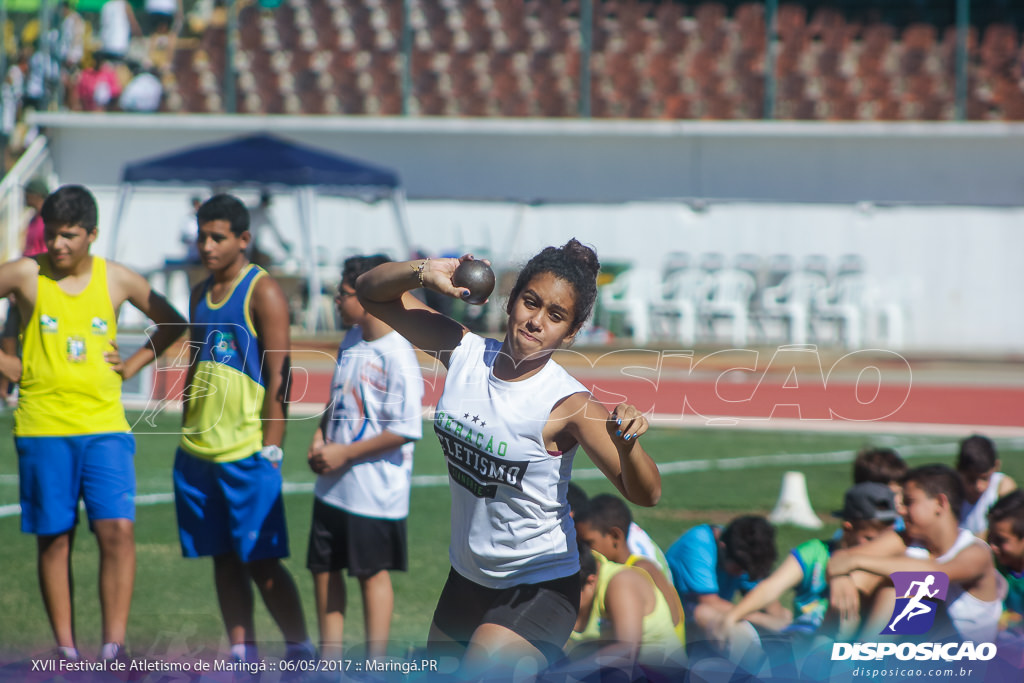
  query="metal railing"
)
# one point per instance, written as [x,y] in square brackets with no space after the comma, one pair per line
[12,196]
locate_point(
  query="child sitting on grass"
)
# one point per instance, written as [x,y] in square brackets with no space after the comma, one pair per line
[933,542]
[1006,538]
[869,510]
[978,466]
[604,524]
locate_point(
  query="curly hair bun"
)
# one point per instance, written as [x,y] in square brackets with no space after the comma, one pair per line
[582,255]
[573,262]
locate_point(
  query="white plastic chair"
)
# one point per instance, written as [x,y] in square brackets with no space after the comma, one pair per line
[884,317]
[887,314]
[844,303]
[681,295]
[729,297]
[629,295]
[791,300]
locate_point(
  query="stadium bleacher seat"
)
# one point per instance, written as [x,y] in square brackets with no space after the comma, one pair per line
[649,59]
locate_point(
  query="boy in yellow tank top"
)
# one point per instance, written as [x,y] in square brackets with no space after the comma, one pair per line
[623,617]
[604,524]
[72,438]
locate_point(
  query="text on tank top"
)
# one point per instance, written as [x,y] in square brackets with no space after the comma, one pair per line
[510,519]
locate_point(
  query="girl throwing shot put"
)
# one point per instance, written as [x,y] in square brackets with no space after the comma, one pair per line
[509,422]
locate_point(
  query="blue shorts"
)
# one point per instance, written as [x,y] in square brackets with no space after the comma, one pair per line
[232,507]
[55,472]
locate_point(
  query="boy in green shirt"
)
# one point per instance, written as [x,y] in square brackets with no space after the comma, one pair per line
[869,509]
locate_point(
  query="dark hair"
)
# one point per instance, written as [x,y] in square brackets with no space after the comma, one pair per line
[70,205]
[577,499]
[1010,506]
[588,563]
[876,524]
[939,479]
[355,266]
[750,543]
[224,207]
[605,511]
[977,455]
[881,465]
[575,263]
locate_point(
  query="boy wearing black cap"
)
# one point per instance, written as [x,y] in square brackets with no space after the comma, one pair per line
[869,510]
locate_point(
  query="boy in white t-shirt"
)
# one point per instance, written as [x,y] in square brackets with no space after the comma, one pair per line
[363,453]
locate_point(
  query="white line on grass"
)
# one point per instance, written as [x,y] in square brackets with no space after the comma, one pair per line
[681,466]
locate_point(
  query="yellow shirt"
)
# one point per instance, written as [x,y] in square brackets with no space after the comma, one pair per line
[659,642]
[66,387]
[679,628]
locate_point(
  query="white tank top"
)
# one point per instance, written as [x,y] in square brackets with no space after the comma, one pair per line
[974,619]
[975,517]
[510,518]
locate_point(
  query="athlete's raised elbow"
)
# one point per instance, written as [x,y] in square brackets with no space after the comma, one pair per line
[654,497]
[648,497]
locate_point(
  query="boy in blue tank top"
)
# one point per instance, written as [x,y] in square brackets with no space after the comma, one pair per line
[227,475]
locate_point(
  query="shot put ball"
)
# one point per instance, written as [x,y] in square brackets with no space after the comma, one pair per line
[477,277]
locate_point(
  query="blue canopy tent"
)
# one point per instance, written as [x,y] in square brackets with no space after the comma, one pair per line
[270,163]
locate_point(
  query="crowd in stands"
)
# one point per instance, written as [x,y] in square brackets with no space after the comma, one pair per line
[650,60]
[111,60]
[964,522]
[834,61]
[515,58]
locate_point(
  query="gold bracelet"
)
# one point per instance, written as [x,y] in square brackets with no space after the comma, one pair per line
[419,269]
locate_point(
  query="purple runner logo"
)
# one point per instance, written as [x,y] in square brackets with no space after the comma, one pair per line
[917,598]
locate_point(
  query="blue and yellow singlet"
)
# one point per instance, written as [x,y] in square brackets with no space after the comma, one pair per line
[225,401]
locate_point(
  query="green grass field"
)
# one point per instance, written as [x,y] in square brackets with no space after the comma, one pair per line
[709,474]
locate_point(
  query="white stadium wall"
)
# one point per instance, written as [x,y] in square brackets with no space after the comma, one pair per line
[935,211]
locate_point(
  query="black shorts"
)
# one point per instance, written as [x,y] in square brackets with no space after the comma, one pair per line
[363,545]
[542,613]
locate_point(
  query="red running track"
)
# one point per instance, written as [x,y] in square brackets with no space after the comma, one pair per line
[771,397]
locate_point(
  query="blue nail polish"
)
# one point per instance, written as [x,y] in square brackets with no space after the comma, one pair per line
[628,437]
[619,421]
[618,433]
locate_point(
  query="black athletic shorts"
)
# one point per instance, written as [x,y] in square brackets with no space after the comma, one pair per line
[363,545]
[542,613]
